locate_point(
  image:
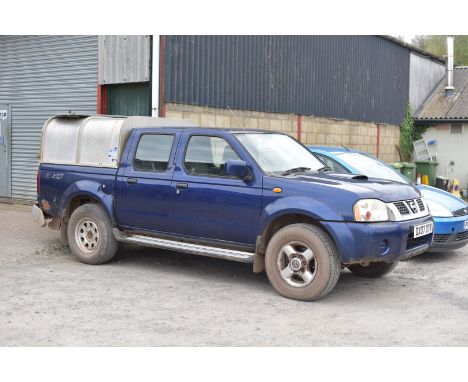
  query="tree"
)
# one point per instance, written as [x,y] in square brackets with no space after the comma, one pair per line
[406,134]
[436,44]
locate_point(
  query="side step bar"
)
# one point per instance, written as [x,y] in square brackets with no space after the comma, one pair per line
[196,249]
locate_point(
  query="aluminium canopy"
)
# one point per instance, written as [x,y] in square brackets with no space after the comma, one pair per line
[93,141]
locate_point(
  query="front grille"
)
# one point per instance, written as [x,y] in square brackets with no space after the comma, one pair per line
[461,236]
[402,208]
[420,204]
[461,212]
[416,242]
[411,207]
[441,238]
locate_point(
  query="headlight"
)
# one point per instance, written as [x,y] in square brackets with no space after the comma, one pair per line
[370,210]
[438,210]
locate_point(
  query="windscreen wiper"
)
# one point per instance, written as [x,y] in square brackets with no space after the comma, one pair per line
[324,168]
[295,169]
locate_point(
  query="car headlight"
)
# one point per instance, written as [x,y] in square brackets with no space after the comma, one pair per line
[370,210]
[438,210]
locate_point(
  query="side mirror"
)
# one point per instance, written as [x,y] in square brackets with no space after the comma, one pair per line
[237,168]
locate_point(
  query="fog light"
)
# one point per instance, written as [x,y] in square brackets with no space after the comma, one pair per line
[383,247]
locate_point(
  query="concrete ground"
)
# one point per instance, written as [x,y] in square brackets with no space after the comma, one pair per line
[157,298]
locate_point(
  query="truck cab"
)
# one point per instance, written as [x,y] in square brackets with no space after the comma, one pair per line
[243,195]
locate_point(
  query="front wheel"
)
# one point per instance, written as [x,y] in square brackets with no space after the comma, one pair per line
[302,262]
[90,235]
[373,270]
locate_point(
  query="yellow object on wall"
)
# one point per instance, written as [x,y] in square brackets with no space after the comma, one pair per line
[456,187]
[425,180]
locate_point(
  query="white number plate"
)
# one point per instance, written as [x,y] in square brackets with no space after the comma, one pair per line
[423,229]
[466,224]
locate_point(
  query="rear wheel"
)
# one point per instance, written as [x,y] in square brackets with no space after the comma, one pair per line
[302,262]
[376,269]
[90,235]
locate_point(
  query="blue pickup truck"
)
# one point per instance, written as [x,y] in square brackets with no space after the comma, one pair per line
[244,195]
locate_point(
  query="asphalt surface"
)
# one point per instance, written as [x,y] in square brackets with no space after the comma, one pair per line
[148,297]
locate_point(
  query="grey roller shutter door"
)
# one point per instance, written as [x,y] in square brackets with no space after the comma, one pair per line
[41,76]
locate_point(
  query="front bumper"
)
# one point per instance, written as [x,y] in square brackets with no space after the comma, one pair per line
[370,242]
[449,233]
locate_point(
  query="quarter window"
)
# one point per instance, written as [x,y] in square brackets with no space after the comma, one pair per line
[207,155]
[153,152]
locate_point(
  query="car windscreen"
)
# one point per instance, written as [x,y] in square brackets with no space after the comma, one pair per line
[371,167]
[277,153]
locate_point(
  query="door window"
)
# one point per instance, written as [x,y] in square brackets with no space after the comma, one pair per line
[153,152]
[207,155]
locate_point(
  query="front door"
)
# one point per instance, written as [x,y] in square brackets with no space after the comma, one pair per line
[5,123]
[207,203]
[143,188]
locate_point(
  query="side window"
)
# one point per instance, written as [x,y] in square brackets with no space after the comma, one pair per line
[333,164]
[207,155]
[153,152]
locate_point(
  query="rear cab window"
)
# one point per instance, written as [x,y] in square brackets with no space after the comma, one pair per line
[153,152]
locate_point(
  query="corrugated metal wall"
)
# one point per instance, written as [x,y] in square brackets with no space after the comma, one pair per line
[425,75]
[124,59]
[363,78]
[41,76]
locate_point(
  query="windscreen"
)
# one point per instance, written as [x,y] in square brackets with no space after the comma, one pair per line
[277,153]
[372,168]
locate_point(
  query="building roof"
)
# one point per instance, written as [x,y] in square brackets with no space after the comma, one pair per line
[414,49]
[438,107]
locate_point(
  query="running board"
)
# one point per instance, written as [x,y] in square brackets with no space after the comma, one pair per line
[196,249]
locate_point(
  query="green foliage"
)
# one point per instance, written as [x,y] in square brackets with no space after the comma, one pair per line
[407,132]
[436,44]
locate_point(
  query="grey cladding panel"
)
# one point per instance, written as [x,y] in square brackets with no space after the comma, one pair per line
[124,59]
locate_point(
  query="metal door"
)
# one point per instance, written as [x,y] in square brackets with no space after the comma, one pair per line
[5,118]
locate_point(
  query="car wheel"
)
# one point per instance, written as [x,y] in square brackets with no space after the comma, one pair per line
[375,269]
[90,235]
[302,262]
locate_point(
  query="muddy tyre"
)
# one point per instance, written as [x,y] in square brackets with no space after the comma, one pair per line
[373,270]
[90,235]
[302,262]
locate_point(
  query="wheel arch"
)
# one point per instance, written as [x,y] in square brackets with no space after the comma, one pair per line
[274,225]
[85,192]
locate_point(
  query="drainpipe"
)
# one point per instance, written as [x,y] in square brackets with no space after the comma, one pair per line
[155,76]
[449,90]
[162,105]
[299,127]
[377,151]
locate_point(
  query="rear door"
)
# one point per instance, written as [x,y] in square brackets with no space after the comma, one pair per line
[143,186]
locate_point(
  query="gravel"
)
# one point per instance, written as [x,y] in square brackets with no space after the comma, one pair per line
[148,297]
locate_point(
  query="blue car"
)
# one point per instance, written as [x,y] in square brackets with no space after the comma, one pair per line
[450,213]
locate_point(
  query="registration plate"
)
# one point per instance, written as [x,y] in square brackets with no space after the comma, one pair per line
[423,229]
[466,224]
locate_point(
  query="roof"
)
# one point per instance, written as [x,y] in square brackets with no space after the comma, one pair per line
[453,108]
[414,49]
[330,149]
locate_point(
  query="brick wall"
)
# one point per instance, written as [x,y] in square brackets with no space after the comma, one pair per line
[314,130]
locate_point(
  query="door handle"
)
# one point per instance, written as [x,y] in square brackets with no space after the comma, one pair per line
[181,186]
[132,180]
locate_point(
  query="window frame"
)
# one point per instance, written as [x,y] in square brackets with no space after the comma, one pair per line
[188,173]
[169,164]
[323,156]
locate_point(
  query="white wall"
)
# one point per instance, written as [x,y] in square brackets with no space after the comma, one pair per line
[451,147]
